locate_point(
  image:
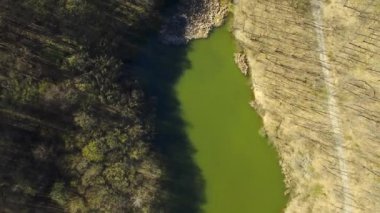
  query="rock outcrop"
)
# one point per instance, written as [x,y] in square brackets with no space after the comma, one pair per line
[242,63]
[193,19]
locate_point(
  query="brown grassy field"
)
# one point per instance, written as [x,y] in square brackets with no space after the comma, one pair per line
[315,70]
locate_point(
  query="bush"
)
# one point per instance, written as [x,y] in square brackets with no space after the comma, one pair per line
[58,193]
[93,151]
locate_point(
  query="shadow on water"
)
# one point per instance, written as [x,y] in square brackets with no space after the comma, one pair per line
[159,67]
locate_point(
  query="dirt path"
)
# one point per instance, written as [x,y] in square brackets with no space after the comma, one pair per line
[317,7]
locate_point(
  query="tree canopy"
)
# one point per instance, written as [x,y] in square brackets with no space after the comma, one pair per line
[75,131]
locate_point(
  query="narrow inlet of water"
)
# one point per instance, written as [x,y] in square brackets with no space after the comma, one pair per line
[208,135]
[241,171]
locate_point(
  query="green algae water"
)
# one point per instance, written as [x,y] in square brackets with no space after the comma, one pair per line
[214,159]
[241,171]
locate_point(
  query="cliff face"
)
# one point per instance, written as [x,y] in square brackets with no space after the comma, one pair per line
[315,69]
[193,19]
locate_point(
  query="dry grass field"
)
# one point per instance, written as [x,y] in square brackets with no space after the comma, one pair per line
[315,70]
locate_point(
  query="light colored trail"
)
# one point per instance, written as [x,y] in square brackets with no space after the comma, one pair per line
[333,108]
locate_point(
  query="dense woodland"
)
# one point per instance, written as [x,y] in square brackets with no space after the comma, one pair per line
[75,126]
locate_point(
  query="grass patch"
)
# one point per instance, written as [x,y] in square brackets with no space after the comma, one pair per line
[301,6]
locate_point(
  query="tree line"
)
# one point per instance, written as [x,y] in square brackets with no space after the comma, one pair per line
[75,126]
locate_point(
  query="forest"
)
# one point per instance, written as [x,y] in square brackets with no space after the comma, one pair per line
[76,126]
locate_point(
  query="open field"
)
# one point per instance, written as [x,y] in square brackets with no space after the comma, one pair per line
[315,73]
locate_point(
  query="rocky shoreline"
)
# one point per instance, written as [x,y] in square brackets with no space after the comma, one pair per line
[242,62]
[193,19]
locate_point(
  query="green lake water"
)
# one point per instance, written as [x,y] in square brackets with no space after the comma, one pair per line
[215,160]
[241,171]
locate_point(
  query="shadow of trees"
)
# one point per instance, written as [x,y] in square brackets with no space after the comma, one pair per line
[37,37]
[159,68]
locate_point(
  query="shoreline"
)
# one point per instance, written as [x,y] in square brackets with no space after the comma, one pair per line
[193,19]
[198,25]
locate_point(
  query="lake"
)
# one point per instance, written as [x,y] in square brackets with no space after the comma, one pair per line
[208,135]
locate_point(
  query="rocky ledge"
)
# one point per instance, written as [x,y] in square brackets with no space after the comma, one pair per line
[193,19]
[242,62]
